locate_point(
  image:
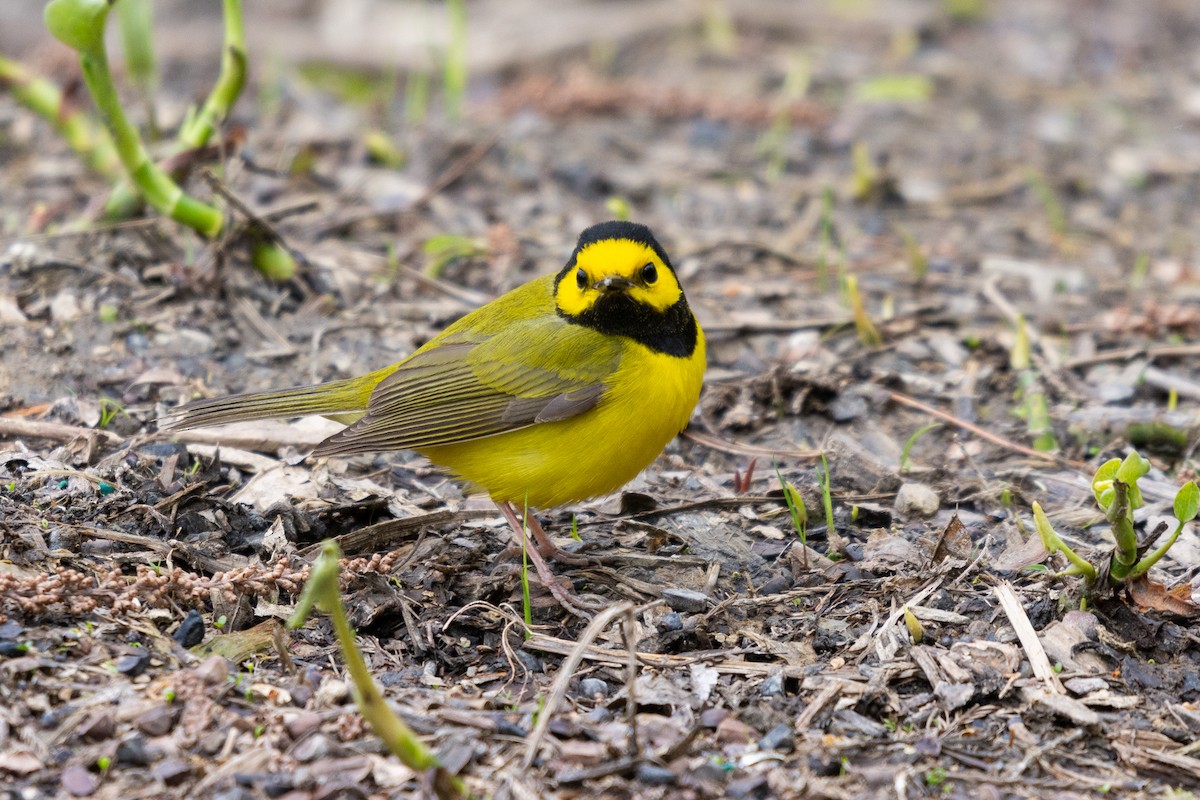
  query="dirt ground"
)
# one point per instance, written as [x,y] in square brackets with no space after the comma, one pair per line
[974,168]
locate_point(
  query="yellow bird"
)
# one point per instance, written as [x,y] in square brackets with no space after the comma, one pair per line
[558,391]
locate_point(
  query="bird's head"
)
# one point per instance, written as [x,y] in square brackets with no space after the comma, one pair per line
[618,269]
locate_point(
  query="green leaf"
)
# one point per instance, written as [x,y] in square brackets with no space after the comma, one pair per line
[894,89]
[1132,468]
[79,24]
[1187,502]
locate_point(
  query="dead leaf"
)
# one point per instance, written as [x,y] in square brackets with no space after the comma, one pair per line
[1153,596]
[954,541]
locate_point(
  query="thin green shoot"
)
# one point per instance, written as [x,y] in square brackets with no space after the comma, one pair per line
[905,460]
[109,409]
[797,510]
[321,592]
[827,498]
[416,96]
[1056,218]
[136,22]
[526,600]
[1141,269]
[868,333]
[454,74]
[825,239]
[447,248]
[575,529]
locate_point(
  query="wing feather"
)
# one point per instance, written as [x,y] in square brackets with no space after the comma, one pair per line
[466,385]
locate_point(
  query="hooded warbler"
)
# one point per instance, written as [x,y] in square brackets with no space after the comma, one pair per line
[558,391]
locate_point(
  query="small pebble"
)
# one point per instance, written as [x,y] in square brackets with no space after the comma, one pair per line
[303,723]
[712,717]
[686,600]
[917,500]
[10,649]
[78,781]
[654,775]
[332,692]
[134,752]
[593,687]
[213,670]
[599,715]
[133,664]
[98,727]
[772,686]
[172,771]
[781,738]
[158,721]
[191,631]
[670,621]
[1082,686]
[315,748]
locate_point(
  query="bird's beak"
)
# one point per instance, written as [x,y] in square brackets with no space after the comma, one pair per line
[613,283]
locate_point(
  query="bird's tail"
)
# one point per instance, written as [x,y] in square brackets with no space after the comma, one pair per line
[345,400]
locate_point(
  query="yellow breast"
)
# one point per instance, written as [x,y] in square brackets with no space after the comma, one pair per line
[649,401]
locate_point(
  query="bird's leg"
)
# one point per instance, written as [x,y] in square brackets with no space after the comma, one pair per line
[548,548]
[564,597]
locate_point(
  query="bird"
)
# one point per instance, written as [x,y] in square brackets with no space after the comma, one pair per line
[561,390]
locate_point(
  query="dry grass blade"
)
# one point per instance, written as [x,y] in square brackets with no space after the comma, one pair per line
[565,672]
[1027,636]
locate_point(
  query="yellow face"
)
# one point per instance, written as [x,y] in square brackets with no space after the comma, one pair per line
[617,265]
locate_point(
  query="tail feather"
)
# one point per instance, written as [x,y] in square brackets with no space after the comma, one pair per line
[335,397]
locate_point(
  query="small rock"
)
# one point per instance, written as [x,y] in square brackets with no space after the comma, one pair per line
[213,670]
[10,649]
[301,693]
[917,500]
[781,738]
[748,786]
[133,664]
[157,721]
[599,715]
[772,686]
[98,727]
[191,631]
[314,748]
[65,307]
[1082,686]
[332,692]
[134,752]
[654,775]
[686,600]
[732,730]
[303,723]
[671,621]
[593,687]
[172,771]
[712,717]
[77,781]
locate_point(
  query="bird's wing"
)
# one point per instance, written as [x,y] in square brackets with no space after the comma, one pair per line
[469,385]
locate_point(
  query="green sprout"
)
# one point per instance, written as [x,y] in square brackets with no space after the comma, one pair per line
[454,70]
[1115,489]
[905,460]
[447,248]
[1034,407]
[109,409]
[321,592]
[80,24]
[868,334]
[827,497]
[797,510]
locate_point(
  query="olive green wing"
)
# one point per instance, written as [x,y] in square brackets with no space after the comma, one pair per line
[466,385]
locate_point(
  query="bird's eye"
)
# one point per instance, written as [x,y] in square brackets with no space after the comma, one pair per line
[581,278]
[649,273]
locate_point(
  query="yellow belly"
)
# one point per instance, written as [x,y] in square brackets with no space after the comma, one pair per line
[551,464]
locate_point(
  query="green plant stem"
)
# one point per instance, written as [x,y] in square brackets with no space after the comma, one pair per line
[454,76]
[80,25]
[1143,566]
[232,78]
[136,19]
[1054,544]
[1120,518]
[79,130]
[198,129]
[321,591]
